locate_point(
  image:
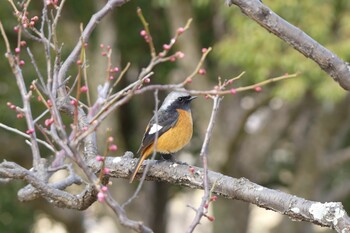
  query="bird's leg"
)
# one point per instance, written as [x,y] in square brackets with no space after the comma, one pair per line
[168,157]
[171,158]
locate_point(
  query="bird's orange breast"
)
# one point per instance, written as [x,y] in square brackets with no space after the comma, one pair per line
[176,137]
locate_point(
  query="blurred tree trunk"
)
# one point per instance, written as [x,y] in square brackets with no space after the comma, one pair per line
[313,134]
[106,34]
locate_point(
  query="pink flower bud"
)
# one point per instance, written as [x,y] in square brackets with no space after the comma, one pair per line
[84,89]
[102,46]
[49,103]
[101,197]
[202,71]
[23,43]
[13,107]
[213,198]
[31,24]
[8,104]
[204,50]
[79,62]
[172,59]
[115,69]
[22,63]
[106,170]
[17,50]
[30,131]
[180,30]
[211,218]
[233,91]
[34,18]
[166,47]
[258,89]
[110,139]
[143,33]
[104,188]
[147,80]
[48,122]
[112,147]
[74,102]
[179,54]
[99,158]
[19,116]
[103,54]
[161,54]
[111,77]
[16,29]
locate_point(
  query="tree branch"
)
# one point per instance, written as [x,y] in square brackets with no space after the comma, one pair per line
[327,60]
[331,214]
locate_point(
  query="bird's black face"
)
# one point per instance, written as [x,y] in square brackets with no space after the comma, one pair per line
[183,102]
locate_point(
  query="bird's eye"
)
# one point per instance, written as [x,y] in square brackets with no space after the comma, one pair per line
[181,99]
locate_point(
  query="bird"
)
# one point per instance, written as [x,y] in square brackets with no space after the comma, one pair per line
[173,125]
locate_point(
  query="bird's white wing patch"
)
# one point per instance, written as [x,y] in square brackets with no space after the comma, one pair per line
[155,128]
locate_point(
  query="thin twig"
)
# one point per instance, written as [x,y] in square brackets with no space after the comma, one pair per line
[201,210]
[146,27]
[16,131]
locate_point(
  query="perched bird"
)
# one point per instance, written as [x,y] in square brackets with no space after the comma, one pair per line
[174,127]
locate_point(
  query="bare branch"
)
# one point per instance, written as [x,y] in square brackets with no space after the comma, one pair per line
[51,194]
[299,40]
[202,211]
[331,214]
[16,131]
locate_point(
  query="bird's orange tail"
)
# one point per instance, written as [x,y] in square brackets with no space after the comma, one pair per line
[138,165]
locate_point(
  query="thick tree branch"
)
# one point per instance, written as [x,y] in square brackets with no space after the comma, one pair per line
[51,193]
[327,60]
[330,214]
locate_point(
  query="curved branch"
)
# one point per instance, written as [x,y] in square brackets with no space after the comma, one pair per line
[331,214]
[327,60]
[51,193]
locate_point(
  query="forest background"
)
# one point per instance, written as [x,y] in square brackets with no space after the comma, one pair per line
[293,136]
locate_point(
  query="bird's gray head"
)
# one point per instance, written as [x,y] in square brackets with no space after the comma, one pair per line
[177,99]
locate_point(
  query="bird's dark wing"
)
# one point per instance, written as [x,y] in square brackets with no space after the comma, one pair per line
[166,120]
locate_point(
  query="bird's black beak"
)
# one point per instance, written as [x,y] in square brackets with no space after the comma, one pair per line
[192,98]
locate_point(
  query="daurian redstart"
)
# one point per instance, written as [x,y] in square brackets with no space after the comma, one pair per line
[174,127]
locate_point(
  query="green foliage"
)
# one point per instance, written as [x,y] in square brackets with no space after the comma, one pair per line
[14,216]
[247,46]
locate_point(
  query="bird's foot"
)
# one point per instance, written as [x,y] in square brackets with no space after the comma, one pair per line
[171,158]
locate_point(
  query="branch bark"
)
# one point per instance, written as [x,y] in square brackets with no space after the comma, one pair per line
[331,214]
[334,66]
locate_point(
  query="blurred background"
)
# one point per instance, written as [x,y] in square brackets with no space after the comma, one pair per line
[293,136]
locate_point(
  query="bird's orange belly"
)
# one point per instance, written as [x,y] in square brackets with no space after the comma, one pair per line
[176,137]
